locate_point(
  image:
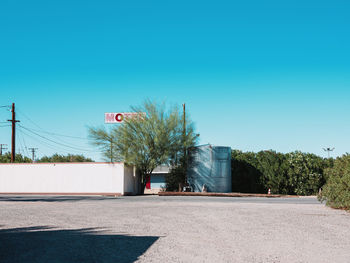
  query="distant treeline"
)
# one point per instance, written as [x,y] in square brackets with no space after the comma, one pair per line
[55,158]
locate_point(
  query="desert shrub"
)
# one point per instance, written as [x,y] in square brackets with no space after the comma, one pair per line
[336,191]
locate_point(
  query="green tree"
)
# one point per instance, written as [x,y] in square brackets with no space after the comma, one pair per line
[156,138]
[337,189]
[305,173]
[105,141]
[57,158]
[6,158]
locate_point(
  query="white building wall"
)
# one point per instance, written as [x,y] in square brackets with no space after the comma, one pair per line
[75,178]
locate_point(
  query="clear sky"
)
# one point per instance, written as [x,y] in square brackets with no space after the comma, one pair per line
[255,75]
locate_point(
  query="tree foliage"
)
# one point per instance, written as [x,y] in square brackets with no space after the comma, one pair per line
[337,189]
[6,158]
[292,173]
[57,158]
[105,141]
[156,138]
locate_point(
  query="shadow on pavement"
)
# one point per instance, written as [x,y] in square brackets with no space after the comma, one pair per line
[53,198]
[44,244]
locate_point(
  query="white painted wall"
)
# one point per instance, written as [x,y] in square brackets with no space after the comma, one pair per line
[81,178]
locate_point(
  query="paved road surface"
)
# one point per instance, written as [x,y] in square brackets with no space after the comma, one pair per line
[171,229]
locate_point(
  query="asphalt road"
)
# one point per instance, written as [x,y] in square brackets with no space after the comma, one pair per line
[171,229]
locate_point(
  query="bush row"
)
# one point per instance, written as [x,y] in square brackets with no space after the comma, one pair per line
[291,173]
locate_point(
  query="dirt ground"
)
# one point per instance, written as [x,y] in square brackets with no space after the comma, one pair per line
[171,229]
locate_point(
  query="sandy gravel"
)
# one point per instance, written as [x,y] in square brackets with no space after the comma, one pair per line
[171,229]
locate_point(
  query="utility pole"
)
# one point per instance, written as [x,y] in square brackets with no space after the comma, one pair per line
[328,150]
[184,143]
[2,148]
[33,153]
[13,140]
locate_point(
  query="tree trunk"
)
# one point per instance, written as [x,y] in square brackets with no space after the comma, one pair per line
[143,186]
[144,178]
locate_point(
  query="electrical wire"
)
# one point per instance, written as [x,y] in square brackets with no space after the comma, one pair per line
[57,134]
[47,145]
[65,145]
[57,141]
[54,146]
[41,130]
[24,115]
[61,141]
[20,149]
[20,135]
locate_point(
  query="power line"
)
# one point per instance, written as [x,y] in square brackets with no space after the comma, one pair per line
[56,149]
[65,145]
[24,143]
[43,131]
[54,146]
[47,145]
[21,112]
[57,134]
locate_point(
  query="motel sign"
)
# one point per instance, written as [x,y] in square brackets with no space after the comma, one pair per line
[120,117]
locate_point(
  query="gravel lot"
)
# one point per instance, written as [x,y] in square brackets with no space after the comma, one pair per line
[171,229]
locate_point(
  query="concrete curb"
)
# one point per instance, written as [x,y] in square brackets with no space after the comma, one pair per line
[224,194]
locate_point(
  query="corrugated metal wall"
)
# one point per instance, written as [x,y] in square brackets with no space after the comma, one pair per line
[210,166]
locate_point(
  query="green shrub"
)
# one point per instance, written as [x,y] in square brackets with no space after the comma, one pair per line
[336,191]
[292,173]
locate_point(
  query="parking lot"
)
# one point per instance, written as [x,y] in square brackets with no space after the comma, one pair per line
[171,229]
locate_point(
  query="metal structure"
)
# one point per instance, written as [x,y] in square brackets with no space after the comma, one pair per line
[328,150]
[210,169]
[2,148]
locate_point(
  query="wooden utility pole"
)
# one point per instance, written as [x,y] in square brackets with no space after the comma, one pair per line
[2,148]
[13,140]
[184,143]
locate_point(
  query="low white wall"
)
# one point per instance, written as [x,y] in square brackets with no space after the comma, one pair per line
[75,178]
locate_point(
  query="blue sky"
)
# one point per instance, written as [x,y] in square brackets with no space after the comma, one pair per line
[255,75]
